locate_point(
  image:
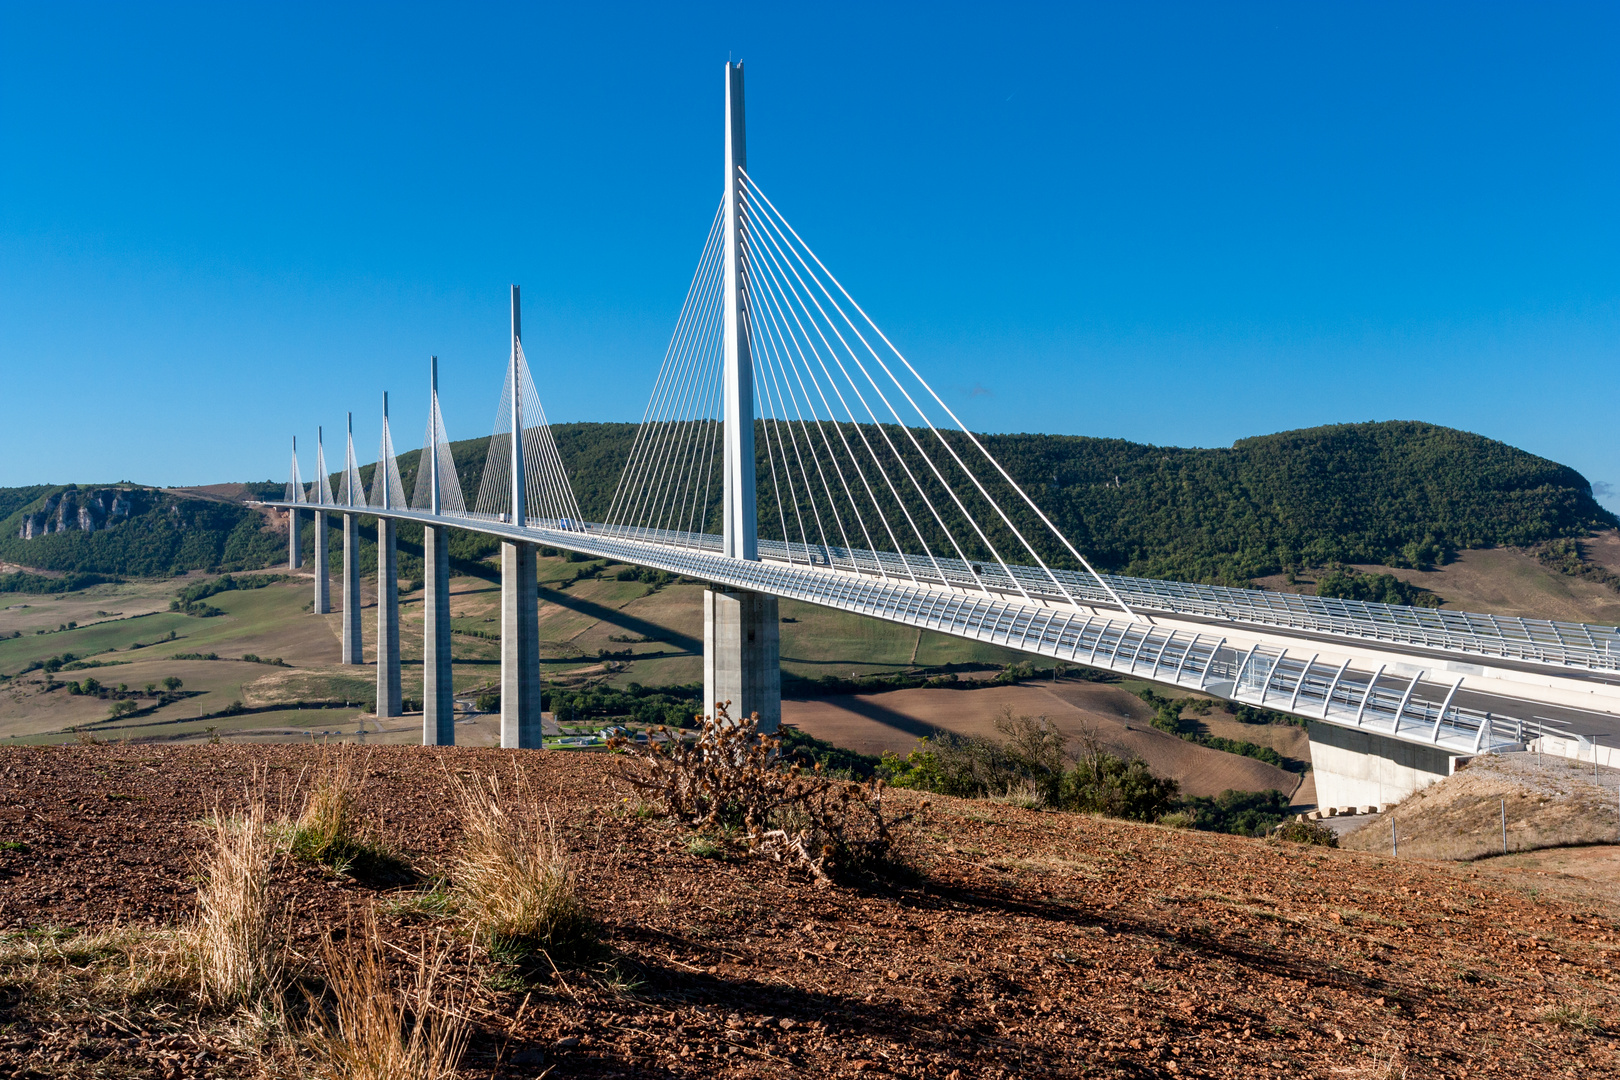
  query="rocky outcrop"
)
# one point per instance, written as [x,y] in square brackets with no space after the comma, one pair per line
[82,510]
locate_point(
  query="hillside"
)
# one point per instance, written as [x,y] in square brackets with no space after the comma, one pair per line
[1009,943]
[128,529]
[1396,493]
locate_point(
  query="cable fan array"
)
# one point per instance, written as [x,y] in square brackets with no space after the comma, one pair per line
[295,482]
[320,489]
[549,499]
[670,488]
[386,489]
[351,491]
[436,454]
[860,465]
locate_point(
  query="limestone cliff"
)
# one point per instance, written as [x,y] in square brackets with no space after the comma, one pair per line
[83,510]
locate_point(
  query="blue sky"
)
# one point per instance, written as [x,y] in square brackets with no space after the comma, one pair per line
[222,225]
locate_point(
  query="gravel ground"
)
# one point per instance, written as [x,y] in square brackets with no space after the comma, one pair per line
[1028,944]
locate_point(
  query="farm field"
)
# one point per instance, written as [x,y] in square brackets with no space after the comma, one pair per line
[653,633]
[893,721]
[1507,581]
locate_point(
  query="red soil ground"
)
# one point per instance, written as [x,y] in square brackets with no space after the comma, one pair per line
[1027,945]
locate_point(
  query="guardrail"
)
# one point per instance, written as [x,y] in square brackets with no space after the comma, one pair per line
[1540,641]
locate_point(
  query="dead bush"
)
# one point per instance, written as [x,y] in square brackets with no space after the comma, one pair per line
[1306,832]
[513,880]
[384,1021]
[732,779]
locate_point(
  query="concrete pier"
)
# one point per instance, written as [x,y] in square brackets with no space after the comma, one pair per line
[349,634]
[520,648]
[323,584]
[295,551]
[388,689]
[438,692]
[1363,768]
[742,655]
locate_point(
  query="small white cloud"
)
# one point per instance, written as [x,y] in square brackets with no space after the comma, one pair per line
[1602,489]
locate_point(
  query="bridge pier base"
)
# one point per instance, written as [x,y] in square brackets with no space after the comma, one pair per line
[742,660]
[438,689]
[1357,767]
[353,651]
[388,689]
[295,550]
[520,648]
[323,583]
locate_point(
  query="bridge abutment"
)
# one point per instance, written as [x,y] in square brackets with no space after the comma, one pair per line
[388,689]
[1357,767]
[520,648]
[438,689]
[353,651]
[323,583]
[742,660]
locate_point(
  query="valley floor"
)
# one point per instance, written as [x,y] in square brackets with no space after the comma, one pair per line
[1019,944]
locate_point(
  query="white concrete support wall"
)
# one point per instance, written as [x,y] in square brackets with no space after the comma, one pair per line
[388,689]
[742,660]
[295,550]
[323,581]
[1585,750]
[349,633]
[438,692]
[1364,768]
[520,648]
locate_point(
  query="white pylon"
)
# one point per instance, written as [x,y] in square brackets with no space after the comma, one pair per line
[741,529]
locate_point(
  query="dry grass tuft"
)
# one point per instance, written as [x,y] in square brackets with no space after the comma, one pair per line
[328,827]
[1026,795]
[1571,1017]
[61,970]
[383,1023]
[238,939]
[330,830]
[512,877]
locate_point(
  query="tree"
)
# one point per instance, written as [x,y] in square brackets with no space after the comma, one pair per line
[171,684]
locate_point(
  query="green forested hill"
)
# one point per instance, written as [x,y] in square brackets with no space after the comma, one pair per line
[1398,492]
[163,533]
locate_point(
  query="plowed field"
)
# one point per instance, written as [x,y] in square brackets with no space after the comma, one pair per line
[1023,944]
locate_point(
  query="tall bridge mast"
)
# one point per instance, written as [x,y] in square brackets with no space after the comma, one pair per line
[741,632]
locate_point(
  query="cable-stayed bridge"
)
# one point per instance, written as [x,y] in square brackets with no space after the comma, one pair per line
[790,449]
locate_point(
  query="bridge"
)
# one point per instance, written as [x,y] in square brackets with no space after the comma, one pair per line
[789,449]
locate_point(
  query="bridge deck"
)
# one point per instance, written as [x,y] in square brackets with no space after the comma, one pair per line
[1024,611]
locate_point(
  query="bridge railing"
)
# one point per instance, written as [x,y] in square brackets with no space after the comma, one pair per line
[1508,637]
[1395,707]
[1399,708]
